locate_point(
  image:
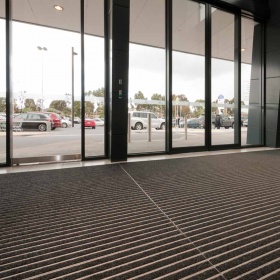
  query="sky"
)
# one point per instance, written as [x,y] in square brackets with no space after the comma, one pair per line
[47,74]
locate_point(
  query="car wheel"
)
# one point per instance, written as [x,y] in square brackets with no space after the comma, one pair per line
[53,128]
[42,127]
[162,126]
[213,126]
[64,125]
[93,127]
[138,126]
[226,127]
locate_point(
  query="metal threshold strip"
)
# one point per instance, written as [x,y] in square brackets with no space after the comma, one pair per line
[48,159]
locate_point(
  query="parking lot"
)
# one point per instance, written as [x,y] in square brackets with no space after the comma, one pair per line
[67,141]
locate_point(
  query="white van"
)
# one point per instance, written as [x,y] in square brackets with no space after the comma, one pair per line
[139,120]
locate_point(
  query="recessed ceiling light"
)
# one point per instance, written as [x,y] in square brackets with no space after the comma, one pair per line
[243,49]
[59,8]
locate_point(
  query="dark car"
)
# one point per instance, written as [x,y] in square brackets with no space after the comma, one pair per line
[40,121]
[194,123]
[225,121]
[56,119]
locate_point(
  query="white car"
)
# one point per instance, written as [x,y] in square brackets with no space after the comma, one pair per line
[139,120]
[98,122]
[66,122]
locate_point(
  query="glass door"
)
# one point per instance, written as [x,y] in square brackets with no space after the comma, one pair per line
[2,83]
[188,74]
[94,66]
[46,75]
[146,100]
[223,95]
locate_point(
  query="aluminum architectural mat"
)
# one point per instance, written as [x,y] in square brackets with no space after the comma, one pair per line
[213,217]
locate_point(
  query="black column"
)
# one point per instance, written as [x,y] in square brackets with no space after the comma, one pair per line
[272,100]
[9,97]
[119,53]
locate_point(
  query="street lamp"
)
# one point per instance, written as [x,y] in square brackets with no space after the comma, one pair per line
[72,58]
[42,49]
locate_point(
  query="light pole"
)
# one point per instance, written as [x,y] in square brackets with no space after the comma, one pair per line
[43,49]
[72,58]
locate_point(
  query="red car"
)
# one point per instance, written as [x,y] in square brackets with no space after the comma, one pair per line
[56,119]
[90,123]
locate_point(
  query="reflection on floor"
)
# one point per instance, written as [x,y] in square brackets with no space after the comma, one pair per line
[71,164]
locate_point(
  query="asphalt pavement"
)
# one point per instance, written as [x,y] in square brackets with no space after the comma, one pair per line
[67,141]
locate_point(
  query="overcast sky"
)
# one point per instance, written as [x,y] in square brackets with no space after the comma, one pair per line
[48,73]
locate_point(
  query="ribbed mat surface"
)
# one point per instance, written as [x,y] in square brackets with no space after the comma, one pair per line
[214,217]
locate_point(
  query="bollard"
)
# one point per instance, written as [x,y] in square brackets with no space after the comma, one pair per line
[186,128]
[149,127]
[129,128]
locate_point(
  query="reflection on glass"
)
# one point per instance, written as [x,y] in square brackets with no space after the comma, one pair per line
[188,78]
[146,78]
[2,84]
[223,103]
[94,82]
[251,132]
[44,88]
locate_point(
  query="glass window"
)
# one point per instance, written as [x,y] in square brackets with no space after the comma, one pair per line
[188,80]
[251,96]
[147,74]
[46,48]
[2,83]
[94,77]
[223,103]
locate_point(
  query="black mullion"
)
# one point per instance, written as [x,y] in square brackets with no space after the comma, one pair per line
[168,95]
[208,74]
[9,97]
[106,77]
[82,82]
[263,83]
[237,79]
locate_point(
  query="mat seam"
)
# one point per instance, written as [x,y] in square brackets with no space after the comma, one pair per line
[172,222]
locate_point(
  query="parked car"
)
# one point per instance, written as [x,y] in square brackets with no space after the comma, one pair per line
[98,122]
[90,123]
[40,121]
[66,122]
[56,119]
[77,120]
[194,123]
[139,120]
[225,121]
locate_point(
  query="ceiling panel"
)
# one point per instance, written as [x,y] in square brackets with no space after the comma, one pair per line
[147,23]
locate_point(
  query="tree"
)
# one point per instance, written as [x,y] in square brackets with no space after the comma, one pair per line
[199,110]
[77,109]
[100,92]
[58,105]
[89,108]
[140,95]
[230,111]
[29,105]
[183,110]
[2,104]
[160,109]
[157,96]
[39,104]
